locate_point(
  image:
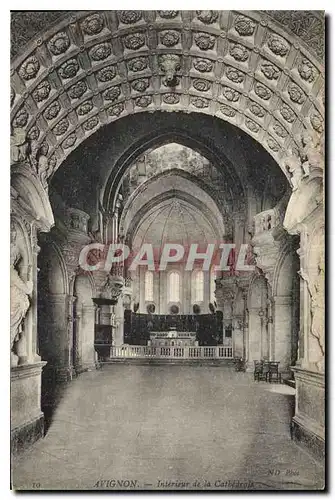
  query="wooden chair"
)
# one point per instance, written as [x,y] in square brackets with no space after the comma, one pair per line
[258,370]
[273,373]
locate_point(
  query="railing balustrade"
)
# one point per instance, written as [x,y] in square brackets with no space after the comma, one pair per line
[185,352]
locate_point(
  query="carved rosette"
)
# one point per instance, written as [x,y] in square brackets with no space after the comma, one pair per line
[251,125]
[307,71]
[21,118]
[280,131]
[207,16]
[234,75]
[112,93]
[129,16]
[69,69]
[115,110]
[69,141]
[287,113]
[228,111]
[238,52]
[59,44]
[270,71]
[256,109]
[42,91]
[262,91]
[168,14]
[93,25]
[316,122]
[201,85]
[85,107]
[78,89]
[52,111]
[144,101]
[230,94]
[296,94]
[273,145]
[134,41]
[100,52]
[106,74]
[244,26]
[278,45]
[203,65]
[204,41]
[61,127]
[169,38]
[91,123]
[171,98]
[138,64]
[29,68]
[200,102]
[140,85]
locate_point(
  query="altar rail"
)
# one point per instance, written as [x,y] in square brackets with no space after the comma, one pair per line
[137,351]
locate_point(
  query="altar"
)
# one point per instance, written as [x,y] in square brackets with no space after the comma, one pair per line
[173,338]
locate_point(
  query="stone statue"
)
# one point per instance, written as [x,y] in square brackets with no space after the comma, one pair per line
[19,146]
[294,166]
[311,152]
[20,290]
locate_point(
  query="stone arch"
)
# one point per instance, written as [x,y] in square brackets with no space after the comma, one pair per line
[93,68]
[159,138]
[30,190]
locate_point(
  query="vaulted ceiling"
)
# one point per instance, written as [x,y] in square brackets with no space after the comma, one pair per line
[92,68]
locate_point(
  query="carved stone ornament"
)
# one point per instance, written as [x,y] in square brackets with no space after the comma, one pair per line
[287,113]
[69,69]
[262,91]
[112,289]
[85,108]
[59,44]
[169,64]
[169,38]
[52,111]
[143,101]
[61,127]
[12,96]
[280,131]
[316,122]
[138,64]
[307,71]
[91,123]
[171,98]
[201,85]
[42,91]
[207,16]
[78,89]
[228,111]
[199,102]
[278,45]
[129,16]
[168,14]
[270,71]
[93,25]
[134,41]
[238,52]
[204,41]
[203,65]
[69,141]
[253,126]
[230,94]
[112,93]
[295,93]
[256,110]
[273,145]
[101,51]
[115,110]
[19,147]
[140,85]
[244,26]
[234,75]
[34,133]
[106,74]
[20,119]
[29,68]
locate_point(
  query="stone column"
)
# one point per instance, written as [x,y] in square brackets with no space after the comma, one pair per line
[282,331]
[119,323]
[255,335]
[87,336]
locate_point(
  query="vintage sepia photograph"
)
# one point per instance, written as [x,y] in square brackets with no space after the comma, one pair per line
[167,250]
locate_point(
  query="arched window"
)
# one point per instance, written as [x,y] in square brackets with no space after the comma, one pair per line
[149,286]
[198,286]
[174,284]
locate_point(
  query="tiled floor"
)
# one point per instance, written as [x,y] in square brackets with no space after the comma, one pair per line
[199,427]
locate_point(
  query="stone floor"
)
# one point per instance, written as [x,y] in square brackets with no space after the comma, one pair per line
[169,427]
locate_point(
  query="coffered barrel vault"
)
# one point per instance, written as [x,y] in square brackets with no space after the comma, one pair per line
[96,67]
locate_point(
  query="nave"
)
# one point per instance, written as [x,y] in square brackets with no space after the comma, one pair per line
[169,423]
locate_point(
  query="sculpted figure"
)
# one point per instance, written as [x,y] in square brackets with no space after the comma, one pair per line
[19,147]
[311,152]
[293,165]
[20,290]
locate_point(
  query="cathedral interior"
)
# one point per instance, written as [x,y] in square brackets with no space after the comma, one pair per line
[167,127]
